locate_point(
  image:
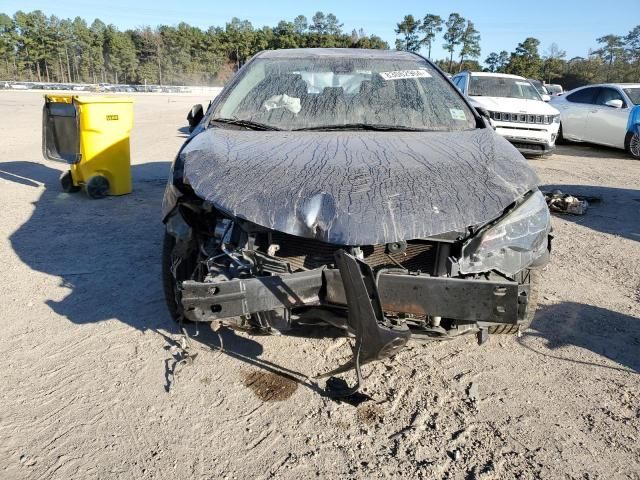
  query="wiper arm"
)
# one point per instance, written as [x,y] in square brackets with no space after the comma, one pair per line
[363,126]
[244,123]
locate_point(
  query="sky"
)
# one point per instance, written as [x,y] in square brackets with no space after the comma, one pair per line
[573,24]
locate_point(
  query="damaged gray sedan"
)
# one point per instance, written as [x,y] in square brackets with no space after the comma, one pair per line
[356,189]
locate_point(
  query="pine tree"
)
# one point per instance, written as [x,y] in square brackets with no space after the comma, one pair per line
[408,28]
[455,25]
[431,24]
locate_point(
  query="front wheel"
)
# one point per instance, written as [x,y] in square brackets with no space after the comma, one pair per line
[175,269]
[632,144]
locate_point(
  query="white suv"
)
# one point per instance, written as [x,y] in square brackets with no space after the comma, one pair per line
[515,107]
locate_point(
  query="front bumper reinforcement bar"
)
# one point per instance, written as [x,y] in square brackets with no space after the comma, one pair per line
[493,301]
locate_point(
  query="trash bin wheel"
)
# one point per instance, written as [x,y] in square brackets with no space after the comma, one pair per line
[66,182]
[97,187]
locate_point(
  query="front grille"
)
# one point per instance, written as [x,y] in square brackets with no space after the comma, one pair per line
[522,118]
[304,253]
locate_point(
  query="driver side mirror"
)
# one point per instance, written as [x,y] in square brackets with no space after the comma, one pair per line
[617,103]
[546,97]
[196,114]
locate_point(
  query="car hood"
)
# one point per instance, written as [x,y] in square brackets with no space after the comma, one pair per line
[515,105]
[357,188]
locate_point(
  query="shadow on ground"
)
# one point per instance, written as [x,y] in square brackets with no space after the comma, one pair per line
[612,335]
[615,213]
[106,252]
[591,150]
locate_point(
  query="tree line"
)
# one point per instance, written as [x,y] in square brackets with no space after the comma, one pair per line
[37,47]
[617,58]
[458,32]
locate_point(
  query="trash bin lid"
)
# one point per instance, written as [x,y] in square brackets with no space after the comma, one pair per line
[86,99]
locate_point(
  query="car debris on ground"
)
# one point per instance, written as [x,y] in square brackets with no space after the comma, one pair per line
[566,203]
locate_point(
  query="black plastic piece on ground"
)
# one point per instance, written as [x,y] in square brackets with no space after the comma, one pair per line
[335,384]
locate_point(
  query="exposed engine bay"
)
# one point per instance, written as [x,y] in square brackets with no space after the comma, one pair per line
[242,275]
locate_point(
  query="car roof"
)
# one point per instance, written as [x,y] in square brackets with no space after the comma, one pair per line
[492,74]
[620,85]
[338,52]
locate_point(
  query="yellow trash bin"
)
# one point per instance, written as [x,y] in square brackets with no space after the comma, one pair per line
[91,133]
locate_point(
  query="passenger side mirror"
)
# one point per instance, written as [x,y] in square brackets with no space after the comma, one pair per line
[614,103]
[194,117]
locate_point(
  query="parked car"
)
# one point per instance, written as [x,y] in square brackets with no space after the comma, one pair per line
[516,109]
[541,89]
[554,89]
[357,189]
[599,114]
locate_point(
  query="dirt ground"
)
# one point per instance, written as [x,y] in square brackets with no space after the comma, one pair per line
[88,391]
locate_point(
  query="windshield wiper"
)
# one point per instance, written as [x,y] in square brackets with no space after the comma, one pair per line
[364,126]
[244,123]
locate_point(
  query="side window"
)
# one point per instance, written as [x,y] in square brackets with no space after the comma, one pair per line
[607,94]
[586,95]
[456,81]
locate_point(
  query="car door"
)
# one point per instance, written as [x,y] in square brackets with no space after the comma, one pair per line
[574,112]
[608,125]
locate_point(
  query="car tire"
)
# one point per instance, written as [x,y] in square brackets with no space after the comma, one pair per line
[632,145]
[532,278]
[169,286]
[169,282]
[66,182]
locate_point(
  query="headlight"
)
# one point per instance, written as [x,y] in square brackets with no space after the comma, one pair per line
[513,243]
[556,119]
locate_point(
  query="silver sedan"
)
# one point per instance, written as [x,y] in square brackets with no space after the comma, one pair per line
[600,114]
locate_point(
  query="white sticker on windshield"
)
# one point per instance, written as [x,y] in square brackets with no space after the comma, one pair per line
[283,101]
[457,114]
[524,84]
[403,74]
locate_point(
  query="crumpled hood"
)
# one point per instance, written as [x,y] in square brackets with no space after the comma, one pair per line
[357,188]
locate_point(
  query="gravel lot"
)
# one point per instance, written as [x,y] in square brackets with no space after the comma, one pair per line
[88,390]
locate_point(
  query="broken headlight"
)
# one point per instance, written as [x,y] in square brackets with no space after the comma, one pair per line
[511,244]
